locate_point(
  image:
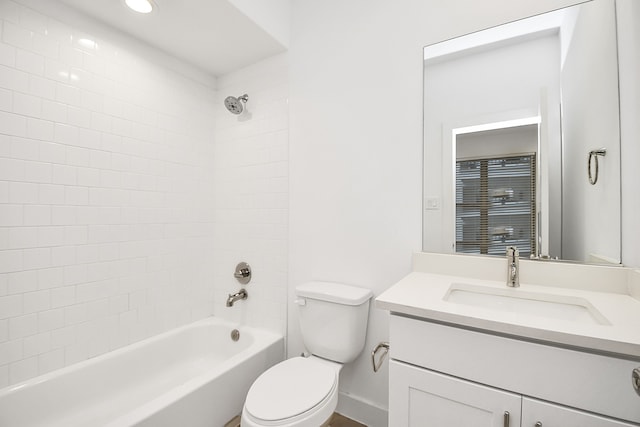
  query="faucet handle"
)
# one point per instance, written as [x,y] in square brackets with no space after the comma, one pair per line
[243,273]
[513,259]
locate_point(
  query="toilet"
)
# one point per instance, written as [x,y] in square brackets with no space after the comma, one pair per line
[303,391]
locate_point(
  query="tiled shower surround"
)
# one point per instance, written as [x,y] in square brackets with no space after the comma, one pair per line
[113,161]
[251,194]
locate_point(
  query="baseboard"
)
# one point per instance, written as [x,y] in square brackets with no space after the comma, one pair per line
[363,411]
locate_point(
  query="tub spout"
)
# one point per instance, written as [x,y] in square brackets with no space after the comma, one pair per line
[237,296]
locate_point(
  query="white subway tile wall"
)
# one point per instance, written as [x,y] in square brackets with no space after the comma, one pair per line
[107,201]
[252,193]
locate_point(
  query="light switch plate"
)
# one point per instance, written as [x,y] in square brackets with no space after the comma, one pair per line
[432,203]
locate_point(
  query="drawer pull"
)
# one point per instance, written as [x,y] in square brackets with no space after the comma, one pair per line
[538,424]
[506,418]
[635,380]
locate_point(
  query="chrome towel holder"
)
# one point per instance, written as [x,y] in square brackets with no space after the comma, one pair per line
[384,346]
[593,154]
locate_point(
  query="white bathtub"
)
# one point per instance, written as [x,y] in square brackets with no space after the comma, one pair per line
[195,375]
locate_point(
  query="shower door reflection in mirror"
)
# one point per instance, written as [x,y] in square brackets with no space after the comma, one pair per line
[510,115]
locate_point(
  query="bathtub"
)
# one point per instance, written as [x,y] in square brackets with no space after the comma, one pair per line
[195,375]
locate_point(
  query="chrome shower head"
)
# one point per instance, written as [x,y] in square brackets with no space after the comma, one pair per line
[236,105]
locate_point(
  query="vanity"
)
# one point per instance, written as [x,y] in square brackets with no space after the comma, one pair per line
[522,150]
[562,349]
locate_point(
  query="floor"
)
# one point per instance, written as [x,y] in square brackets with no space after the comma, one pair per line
[342,421]
[337,421]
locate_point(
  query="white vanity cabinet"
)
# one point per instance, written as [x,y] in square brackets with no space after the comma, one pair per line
[420,397]
[446,376]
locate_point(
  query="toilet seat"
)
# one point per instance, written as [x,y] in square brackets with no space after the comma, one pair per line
[298,390]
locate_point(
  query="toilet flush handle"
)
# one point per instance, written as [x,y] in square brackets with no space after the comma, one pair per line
[300,301]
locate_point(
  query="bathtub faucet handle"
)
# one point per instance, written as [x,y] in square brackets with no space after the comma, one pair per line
[243,273]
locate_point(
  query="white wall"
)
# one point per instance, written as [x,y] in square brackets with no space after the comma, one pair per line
[251,194]
[106,213]
[356,150]
[591,120]
[628,15]
[498,143]
[273,16]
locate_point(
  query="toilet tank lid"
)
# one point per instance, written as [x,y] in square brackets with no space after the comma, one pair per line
[334,292]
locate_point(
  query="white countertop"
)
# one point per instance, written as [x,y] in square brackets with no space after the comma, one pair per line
[422,294]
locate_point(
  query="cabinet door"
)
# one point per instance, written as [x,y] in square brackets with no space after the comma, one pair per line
[550,415]
[423,398]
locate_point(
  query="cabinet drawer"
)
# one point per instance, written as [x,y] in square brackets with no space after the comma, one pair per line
[550,415]
[592,382]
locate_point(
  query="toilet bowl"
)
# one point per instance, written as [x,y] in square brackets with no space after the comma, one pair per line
[303,391]
[299,392]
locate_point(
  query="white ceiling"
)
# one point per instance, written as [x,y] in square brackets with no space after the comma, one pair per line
[212,35]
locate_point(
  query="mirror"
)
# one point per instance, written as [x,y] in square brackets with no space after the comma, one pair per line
[518,121]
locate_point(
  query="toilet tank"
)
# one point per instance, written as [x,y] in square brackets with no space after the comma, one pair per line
[333,319]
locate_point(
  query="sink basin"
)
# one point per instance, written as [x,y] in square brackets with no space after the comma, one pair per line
[515,300]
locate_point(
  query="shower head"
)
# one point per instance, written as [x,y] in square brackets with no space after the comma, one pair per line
[236,105]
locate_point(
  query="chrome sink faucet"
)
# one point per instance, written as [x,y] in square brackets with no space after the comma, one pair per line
[237,296]
[513,273]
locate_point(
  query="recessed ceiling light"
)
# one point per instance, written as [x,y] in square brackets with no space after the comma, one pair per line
[141,6]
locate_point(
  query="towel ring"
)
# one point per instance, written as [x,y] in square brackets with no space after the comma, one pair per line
[593,154]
